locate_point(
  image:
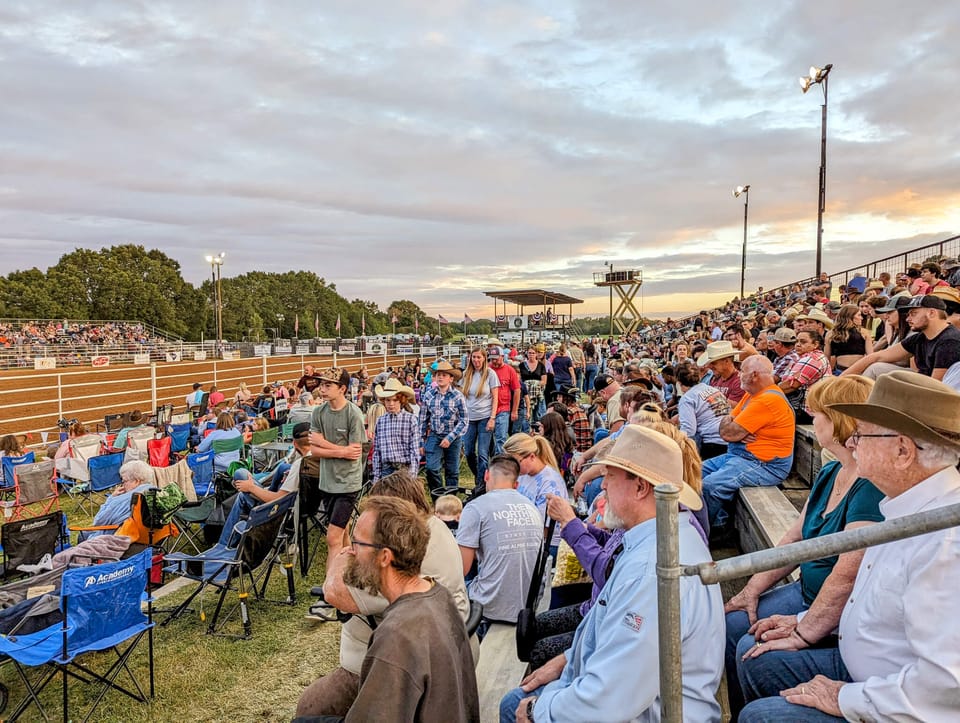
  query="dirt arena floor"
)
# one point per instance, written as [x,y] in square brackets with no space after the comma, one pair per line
[31,401]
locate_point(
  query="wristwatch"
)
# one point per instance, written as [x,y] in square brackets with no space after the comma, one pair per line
[530,704]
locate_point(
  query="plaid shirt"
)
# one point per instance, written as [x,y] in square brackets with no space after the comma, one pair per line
[581,429]
[443,414]
[808,369]
[396,441]
[782,365]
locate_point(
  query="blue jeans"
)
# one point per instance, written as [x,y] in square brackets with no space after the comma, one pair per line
[242,504]
[446,459]
[778,709]
[783,600]
[588,377]
[510,701]
[501,431]
[476,443]
[724,475]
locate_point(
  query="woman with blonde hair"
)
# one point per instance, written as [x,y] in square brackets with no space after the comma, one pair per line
[761,617]
[480,386]
[539,471]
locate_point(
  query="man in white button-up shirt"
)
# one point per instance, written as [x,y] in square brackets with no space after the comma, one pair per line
[899,641]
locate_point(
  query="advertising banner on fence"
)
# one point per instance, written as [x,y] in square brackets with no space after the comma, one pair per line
[228,355]
[141,358]
[173,356]
[199,356]
[303,347]
[405,349]
[283,349]
[428,352]
[451,350]
[100,361]
[324,349]
[261,350]
[45,362]
[350,348]
[375,347]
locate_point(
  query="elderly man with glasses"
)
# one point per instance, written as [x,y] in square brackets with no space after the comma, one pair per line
[899,646]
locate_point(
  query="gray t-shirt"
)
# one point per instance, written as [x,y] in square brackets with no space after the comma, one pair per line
[506,530]
[343,427]
[480,399]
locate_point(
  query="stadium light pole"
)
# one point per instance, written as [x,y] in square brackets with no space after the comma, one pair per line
[215,263]
[745,192]
[279,324]
[820,76]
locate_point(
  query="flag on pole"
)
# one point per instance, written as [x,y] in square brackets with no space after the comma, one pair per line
[442,320]
[337,327]
[363,323]
[416,324]
[316,323]
[296,325]
[467,319]
[393,319]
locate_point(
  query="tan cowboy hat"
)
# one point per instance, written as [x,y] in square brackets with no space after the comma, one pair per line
[875,285]
[447,367]
[718,350]
[654,457]
[914,405]
[821,316]
[391,388]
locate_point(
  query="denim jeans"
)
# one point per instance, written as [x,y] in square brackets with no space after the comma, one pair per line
[510,701]
[501,431]
[588,377]
[724,475]
[476,444]
[783,600]
[446,459]
[778,709]
[243,503]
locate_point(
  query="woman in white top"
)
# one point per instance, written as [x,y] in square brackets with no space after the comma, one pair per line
[479,385]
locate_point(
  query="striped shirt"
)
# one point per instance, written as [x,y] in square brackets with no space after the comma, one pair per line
[810,368]
[782,364]
[443,414]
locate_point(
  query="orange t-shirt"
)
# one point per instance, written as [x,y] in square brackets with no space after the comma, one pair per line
[768,416]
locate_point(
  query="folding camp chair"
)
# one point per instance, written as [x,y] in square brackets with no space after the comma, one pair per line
[137,440]
[113,423]
[161,418]
[6,487]
[264,542]
[76,468]
[257,455]
[190,520]
[179,435]
[158,451]
[286,431]
[181,418]
[26,541]
[104,475]
[225,446]
[201,464]
[198,410]
[101,611]
[35,491]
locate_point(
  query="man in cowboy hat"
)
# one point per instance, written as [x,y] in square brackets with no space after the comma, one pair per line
[817,320]
[610,670]
[134,421]
[719,358]
[759,432]
[899,645]
[396,436]
[934,349]
[443,422]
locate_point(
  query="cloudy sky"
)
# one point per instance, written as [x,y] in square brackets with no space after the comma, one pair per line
[433,150]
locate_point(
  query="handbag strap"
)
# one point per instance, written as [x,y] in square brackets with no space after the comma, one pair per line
[540,565]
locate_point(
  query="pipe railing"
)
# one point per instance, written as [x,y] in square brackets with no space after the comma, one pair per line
[669,571]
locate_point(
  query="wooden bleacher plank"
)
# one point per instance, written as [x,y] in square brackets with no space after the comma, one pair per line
[806,454]
[764,514]
[498,669]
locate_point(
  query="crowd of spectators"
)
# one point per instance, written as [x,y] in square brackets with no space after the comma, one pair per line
[74,333]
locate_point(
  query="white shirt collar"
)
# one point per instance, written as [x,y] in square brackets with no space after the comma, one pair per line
[922,495]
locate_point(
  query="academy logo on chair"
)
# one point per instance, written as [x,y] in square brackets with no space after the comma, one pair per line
[103,578]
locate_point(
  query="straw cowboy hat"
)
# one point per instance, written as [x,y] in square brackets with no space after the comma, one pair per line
[821,316]
[914,405]
[391,388]
[447,367]
[654,457]
[718,350]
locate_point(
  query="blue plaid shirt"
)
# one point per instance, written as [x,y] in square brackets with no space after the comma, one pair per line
[396,440]
[443,414]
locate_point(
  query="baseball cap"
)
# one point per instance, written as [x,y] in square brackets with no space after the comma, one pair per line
[785,335]
[301,430]
[335,375]
[494,351]
[927,302]
[241,474]
[897,302]
[602,382]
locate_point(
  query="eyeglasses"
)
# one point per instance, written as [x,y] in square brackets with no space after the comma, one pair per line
[358,543]
[857,436]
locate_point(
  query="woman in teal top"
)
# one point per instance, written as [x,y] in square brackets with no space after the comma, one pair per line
[806,613]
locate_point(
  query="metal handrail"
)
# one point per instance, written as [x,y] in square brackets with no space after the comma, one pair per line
[669,571]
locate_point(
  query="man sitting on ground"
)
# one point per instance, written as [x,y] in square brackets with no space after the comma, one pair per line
[418,666]
[334,693]
[503,530]
[899,645]
[934,349]
[610,671]
[759,433]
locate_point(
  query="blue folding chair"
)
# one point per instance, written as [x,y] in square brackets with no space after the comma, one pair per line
[179,436]
[8,464]
[104,475]
[265,540]
[201,464]
[101,611]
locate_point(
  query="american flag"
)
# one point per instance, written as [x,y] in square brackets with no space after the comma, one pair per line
[316,323]
[296,325]
[363,323]
[441,319]
[393,319]
[337,327]
[467,319]
[416,324]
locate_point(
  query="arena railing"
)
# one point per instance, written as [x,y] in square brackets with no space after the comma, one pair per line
[670,570]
